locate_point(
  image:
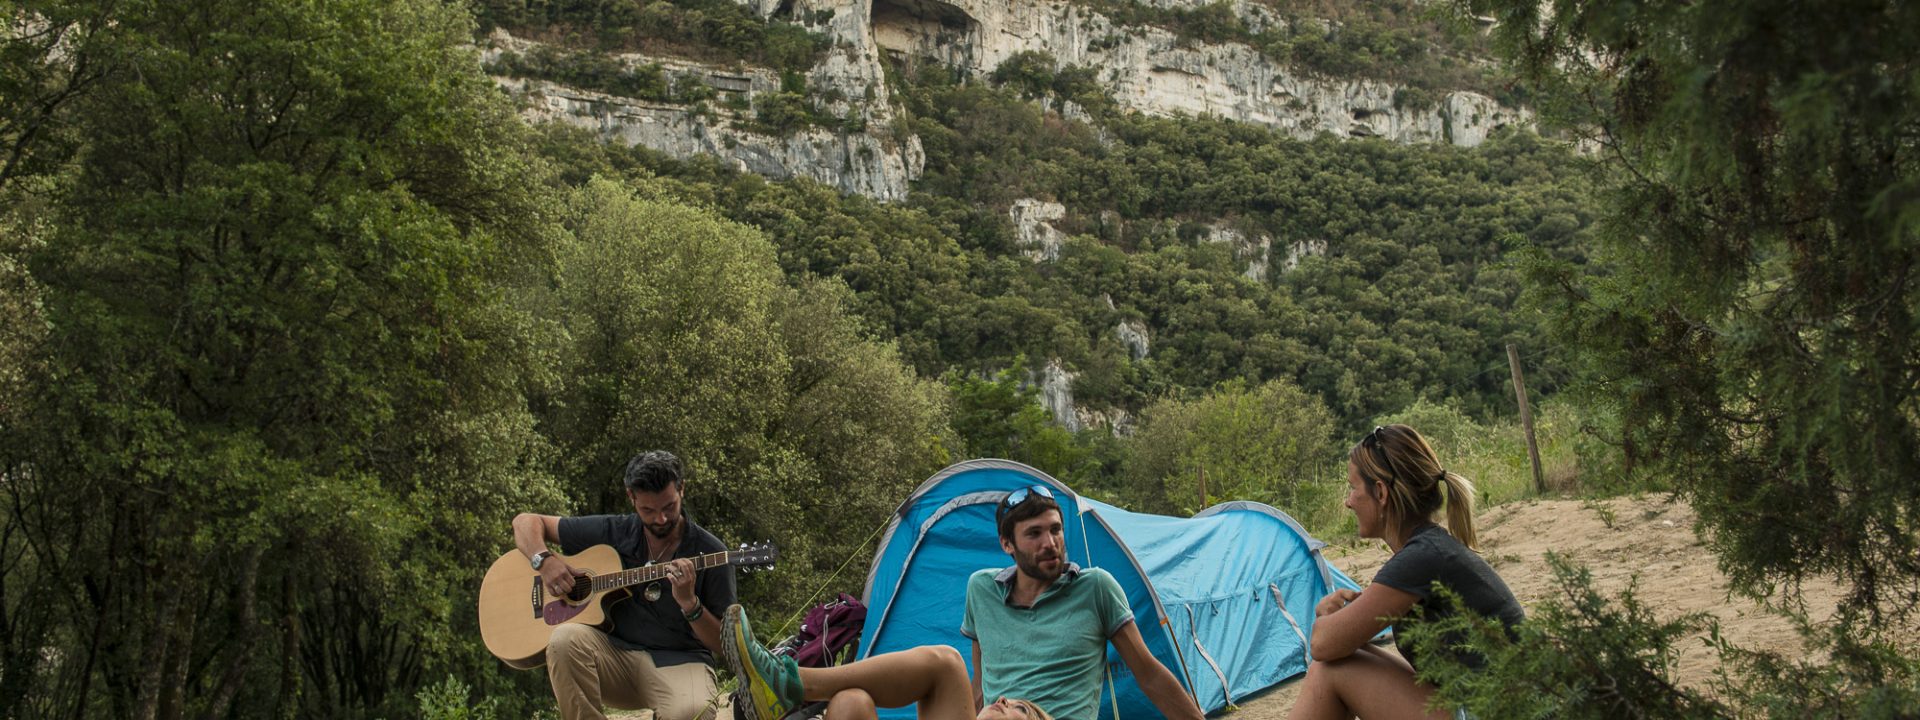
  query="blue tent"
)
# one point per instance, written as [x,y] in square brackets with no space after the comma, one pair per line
[1224,599]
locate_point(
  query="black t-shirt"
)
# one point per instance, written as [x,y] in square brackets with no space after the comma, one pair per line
[1431,556]
[657,627]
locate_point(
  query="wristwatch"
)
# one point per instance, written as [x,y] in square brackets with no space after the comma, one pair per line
[541,557]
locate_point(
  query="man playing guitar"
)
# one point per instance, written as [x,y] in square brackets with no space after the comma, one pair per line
[660,651]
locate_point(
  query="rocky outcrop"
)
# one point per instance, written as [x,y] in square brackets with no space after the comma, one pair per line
[1033,228]
[1115,420]
[1302,250]
[1151,70]
[872,161]
[1145,68]
[1056,394]
[1250,250]
[1133,334]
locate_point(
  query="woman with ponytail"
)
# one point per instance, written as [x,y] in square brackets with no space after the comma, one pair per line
[1396,487]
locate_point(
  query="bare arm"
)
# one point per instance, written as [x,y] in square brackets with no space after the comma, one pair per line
[1342,630]
[531,534]
[706,627]
[1155,680]
[977,700]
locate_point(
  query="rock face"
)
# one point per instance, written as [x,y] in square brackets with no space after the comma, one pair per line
[1301,250]
[1145,68]
[1056,394]
[1251,250]
[872,162]
[1150,70]
[1133,334]
[1032,225]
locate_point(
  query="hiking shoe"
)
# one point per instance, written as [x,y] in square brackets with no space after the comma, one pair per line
[769,683]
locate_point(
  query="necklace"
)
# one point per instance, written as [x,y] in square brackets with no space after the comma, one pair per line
[666,550]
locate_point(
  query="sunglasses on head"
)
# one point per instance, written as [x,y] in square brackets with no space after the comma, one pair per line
[1376,441]
[1015,498]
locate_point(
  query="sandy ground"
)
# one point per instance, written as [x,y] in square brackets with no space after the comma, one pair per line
[1647,542]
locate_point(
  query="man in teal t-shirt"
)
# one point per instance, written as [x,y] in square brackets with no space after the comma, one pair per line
[1040,628]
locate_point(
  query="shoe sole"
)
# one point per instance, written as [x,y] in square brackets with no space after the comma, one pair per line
[752,685]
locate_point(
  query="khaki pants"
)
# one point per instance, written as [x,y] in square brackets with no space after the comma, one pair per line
[587,672]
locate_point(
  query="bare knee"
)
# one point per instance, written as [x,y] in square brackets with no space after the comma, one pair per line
[851,704]
[943,658]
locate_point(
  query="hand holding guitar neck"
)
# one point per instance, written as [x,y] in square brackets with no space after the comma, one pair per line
[682,576]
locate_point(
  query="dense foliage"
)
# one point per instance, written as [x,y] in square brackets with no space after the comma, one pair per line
[721,31]
[1586,655]
[1272,444]
[1752,313]
[1395,286]
[295,322]
[295,314]
[1749,317]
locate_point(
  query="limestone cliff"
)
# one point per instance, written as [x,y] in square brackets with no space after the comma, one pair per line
[1149,69]
[872,161]
[1146,69]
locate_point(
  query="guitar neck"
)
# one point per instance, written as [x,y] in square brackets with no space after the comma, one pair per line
[649,573]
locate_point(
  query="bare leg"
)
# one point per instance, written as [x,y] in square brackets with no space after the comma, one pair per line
[933,676]
[1370,684]
[851,705]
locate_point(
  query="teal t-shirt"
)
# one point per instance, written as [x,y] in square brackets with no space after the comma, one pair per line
[1053,654]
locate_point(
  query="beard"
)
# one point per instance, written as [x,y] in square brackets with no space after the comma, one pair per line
[1030,565]
[664,530]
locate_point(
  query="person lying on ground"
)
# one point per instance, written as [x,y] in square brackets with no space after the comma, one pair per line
[932,677]
[1395,487]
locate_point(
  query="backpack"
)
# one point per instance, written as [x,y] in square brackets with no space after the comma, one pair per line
[829,635]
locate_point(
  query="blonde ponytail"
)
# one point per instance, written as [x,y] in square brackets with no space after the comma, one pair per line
[1460,509]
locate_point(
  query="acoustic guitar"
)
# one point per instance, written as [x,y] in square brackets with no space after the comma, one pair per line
[517,616]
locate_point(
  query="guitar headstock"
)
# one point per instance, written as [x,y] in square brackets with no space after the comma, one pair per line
[756,556]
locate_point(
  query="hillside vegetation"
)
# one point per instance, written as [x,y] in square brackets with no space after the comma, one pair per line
[297,311]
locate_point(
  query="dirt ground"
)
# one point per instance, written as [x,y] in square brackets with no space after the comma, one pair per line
[1646,539]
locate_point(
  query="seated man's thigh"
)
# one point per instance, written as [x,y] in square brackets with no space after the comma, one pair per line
[686,691]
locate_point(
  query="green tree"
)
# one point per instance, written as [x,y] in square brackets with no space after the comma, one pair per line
[684,335]
[1269,443]
[1751,312]
[275,416]
[1001,417]
[1748,319]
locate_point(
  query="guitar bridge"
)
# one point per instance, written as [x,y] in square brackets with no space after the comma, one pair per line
[537,600]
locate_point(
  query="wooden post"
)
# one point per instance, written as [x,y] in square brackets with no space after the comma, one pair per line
[1202,473]
[1526,418]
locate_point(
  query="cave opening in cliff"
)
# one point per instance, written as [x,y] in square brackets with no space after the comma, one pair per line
[924,28]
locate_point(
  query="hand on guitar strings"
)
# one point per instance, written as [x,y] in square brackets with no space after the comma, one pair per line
[683,576]
[557,576]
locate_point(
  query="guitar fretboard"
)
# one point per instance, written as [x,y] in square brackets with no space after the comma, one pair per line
[649,573]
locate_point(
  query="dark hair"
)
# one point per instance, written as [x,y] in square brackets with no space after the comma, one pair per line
[1034,506]
[652,471]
